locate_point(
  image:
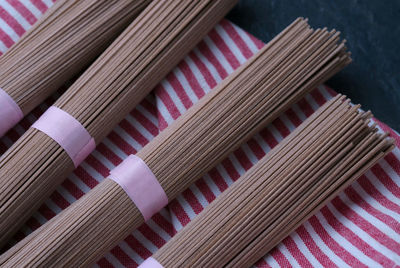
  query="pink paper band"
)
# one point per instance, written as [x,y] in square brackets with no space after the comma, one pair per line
[10,113]
[140,184]
[150,263]
[67,132]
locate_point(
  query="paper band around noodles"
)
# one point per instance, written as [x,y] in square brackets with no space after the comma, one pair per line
[67,132]
[140,184]
[10,113]
[150,263]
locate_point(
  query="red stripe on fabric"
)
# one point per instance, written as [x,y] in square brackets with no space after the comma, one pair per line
[318,97]
[109,154]
[177,87]
[166,225]
[268,138]
[393,161]
[333,245]
[280,258]
[205,190]
[152,236]
[192,200]
[46,212]
[150,107]
[256,149]
[138,247]
[59,200]
[26,13]
[314,248]
[230,168]
[85,177]
[380,198]
[217,179]
[281,127]
[145,122]
[104,263]
[296,253]
[387,219]
[234,35]
[384,178]
[191,78]
[293,117]
[162,93]
[224,48]
[40,5]
[243,159]
[354,239]
[204,70]
[259,44]
[97,165]
[262,264]
[366,226]
[72,188]
[209,55]
[5,38]
[121,143]
[179,212]
[162,124]
[305,107]
[33,224]
[11,21]
[122,257]
[133,132]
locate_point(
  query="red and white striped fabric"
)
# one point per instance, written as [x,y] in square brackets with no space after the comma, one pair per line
[360,227]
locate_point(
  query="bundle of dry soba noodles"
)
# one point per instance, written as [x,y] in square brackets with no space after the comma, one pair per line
[292,182]
[70,35]
[290,65]
[118,80]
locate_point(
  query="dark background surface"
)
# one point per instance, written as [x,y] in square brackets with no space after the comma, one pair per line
[372,29]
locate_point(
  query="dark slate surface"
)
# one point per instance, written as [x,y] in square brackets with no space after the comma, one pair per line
[372,28]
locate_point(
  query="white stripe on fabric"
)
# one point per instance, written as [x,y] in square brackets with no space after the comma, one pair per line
[209,65]
[164,111]
[32,8]
[231,44]
[174,96]
[360,233]
[381,187]
[323,247]
[250,44]
[16,15]
[198,75]
[381,226]
[374,203]
[185,85]
[304,249]
[219,55]
[8,30]
[283,249]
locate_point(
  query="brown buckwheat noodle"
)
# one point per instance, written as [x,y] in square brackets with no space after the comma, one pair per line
[289,66]
[112,86]
[307,169]
[70,35]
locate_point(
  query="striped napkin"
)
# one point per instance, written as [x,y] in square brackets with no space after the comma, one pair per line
[360,227]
